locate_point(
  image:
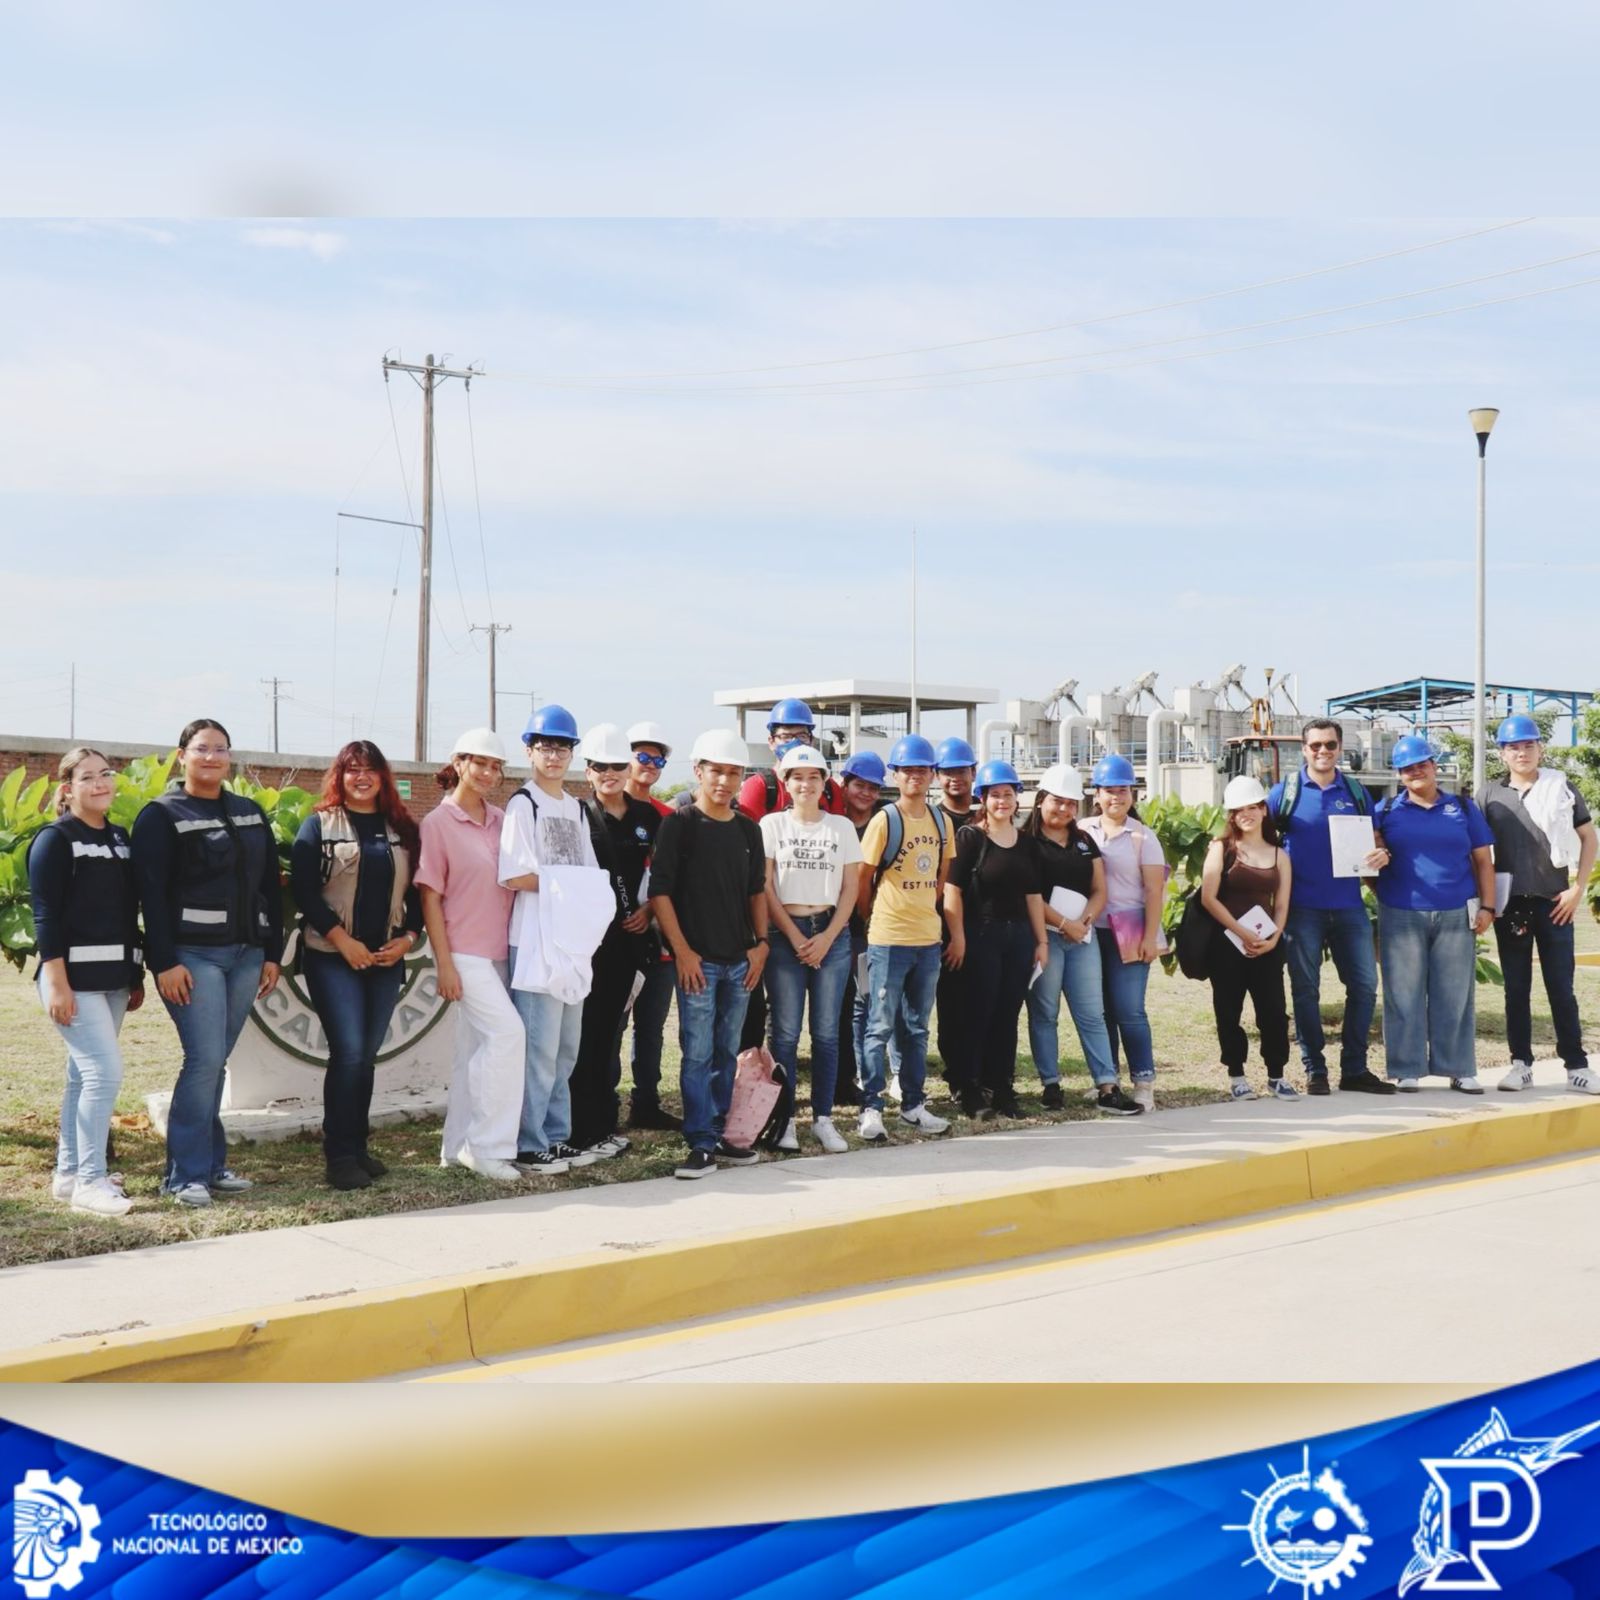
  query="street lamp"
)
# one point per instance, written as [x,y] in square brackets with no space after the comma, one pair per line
[1482,419]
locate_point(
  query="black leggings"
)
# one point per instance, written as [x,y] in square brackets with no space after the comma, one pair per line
[1235,975]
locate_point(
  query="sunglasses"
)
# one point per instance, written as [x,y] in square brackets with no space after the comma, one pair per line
[657,762]
[608,766]
[1322,744]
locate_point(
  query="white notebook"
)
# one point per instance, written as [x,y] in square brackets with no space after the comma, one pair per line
[1257,921]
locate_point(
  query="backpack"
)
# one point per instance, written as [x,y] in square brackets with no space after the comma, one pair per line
[894,841]
[1197,932]
[1290,798]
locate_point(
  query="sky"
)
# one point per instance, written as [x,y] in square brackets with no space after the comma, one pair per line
[1176,477]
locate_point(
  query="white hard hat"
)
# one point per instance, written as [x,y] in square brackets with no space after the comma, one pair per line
[480,742]
[1243,791]
[1064,782]
[722,746]
[802,755]
[649,733]
[604,742]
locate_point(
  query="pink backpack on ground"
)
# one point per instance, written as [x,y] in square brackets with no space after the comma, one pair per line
[757,1083]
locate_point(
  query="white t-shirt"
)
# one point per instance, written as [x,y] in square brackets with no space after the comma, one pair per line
[560,838]
[809,858]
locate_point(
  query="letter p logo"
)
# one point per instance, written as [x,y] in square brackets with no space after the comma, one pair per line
[1487,1503]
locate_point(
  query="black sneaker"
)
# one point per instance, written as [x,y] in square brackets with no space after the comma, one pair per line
[972,1103]
[348,1174]
[1114,1103]
[651,1117]
[1364,1083]
[736,1155]
[1053,1099]
[1005,1105]
[372,1166]
[572,1155]
[697,1164]
[1317,1083]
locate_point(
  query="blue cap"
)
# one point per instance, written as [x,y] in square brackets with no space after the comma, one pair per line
[791,714]
[912,751]
[551,722]
[867,765]
[1517,728]
[955,752]
[1112,772]
[1410,750]
[992,774]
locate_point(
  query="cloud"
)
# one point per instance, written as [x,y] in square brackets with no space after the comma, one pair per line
[316,241]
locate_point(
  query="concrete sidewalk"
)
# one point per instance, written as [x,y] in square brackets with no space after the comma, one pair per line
[357,1299]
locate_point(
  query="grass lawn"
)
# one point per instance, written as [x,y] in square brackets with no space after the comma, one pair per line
[288,1173]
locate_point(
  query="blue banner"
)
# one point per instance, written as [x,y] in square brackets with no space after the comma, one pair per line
[1493,1495]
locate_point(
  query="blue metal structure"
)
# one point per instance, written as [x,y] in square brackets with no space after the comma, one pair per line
[1430,702]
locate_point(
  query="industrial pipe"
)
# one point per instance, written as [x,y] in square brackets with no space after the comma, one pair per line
[987,732]
[1064,738]
[1153,776]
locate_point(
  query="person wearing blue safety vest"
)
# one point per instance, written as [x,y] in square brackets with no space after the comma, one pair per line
[994,907]
[1327,912]
[1434,897]
[906,850]
[957,763]
[1128,930]
[1541,829]
[207,865]
[546,832]
[861,780]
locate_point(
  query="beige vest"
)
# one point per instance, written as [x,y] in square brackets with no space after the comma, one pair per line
[341,864]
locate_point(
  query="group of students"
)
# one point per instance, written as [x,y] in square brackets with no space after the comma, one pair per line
[553,922]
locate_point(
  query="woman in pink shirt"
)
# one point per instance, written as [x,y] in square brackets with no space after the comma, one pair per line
[468,915]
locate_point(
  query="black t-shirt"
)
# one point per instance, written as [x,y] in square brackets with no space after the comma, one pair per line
[1069,866]
[622,845]
[997,890]
[710,871]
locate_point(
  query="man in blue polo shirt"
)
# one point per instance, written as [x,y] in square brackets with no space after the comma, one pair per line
[1326,913]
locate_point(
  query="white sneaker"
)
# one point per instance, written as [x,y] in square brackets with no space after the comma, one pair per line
[924,1121]
[610,1147]
[62,1185]
[1282,1089]
[1144,1096]
[487,1167]
[1240,1089]
[192,1194]
[790,1138]
[101,1199]
[828,1136]
[1409,1085]
[1518,1076]
[892,1090]
[229,1182]
[1584,1081]
[1467,1085]
[871,1127]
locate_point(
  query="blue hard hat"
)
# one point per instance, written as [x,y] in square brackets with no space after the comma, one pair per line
[1411,749]
[867,765]
[791,714]
[1112,772]
[955,752]
[551,722]
[992,774]
[1517,728]
[912,751]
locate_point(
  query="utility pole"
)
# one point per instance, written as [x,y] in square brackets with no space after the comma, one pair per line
[914,719]
[277,684]
[426,377]
[493,629]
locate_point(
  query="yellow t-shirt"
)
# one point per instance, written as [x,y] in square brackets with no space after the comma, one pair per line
[906,910]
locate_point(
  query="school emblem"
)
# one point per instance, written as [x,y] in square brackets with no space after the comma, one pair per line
[1305,1530]
[52,1534]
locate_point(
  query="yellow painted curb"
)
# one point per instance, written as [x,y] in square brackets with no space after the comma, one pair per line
[477,1316]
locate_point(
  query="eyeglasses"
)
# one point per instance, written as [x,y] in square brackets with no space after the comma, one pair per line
[793,733]
[547,747]
[655,762]
[207,752]
[1322,744]
[608,766]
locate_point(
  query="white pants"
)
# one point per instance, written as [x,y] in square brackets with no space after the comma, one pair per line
[485,1103]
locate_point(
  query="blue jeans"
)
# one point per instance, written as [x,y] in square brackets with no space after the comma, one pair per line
[1347,933]
[226,977]
[903,980]
[789,982]
[94,1074]
[1429,992]
[554,1030]
[650,1008]
[858,1017]
[1073,970]
[354,1009]
[1557,965]
[709,1025]
[1122,987]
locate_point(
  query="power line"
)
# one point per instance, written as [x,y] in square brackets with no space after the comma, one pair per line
[1059,327]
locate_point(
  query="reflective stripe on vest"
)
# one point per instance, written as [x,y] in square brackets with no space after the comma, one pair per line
[97,952]
[191,914]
